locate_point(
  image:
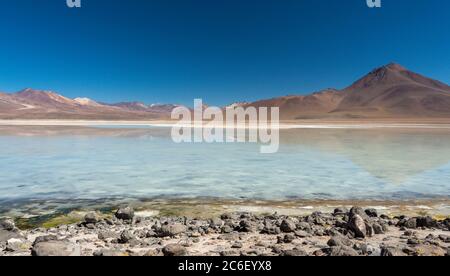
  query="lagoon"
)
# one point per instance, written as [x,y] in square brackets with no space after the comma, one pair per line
[64,164]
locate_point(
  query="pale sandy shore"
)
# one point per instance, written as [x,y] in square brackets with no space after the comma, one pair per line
[314,124]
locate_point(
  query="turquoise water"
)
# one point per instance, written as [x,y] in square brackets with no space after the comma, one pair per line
[97,163]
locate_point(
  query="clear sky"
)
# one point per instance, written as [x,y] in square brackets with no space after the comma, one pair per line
[172,51]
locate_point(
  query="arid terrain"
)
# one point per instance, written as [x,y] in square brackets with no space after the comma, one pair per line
[390,92]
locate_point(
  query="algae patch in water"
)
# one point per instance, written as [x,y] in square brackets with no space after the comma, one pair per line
[50,221]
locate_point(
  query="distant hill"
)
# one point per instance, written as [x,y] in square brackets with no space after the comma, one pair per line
[37,104]
[390,91]
[393,91]
[317,105]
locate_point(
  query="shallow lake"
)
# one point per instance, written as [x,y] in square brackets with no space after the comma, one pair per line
[92,163]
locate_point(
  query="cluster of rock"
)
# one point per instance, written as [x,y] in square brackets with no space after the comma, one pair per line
[354,232]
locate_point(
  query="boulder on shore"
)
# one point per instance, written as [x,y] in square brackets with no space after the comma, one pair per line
[126,213]
[56,249]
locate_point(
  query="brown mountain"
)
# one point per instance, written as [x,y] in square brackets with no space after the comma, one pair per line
[8,103]
[393,91]
[37,104]
[390,91]
[316,105]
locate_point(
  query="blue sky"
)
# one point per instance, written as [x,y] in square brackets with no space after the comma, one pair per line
[220,50]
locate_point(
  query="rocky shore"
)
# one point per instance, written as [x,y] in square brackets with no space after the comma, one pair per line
[354,232]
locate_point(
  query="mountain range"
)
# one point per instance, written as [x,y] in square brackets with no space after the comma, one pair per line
[391,91]
[37,104]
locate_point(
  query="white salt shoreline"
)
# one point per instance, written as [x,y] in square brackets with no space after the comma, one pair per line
[282,125]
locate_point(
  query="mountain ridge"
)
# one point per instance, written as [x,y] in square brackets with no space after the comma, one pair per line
[389,91]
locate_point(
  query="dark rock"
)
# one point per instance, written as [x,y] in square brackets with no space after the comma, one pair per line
[304,226]
[247,226]
[274,216]
[90,226]
[444,238]
[110,253]
[174,250]
[138,219]
[322,252]
[320,232]
[369,230]
[151,234]
[339,240]
[344,251]
[153,253]
[105,235]
[288,238]
[277,249]
[340,223]
[377,229]
[140,233]
[371,213]
[45,239]
[317,218]
[251,253]
[126,236]
[229,253]
[226,216]
[229,237]
[271,230]
[288,226]
[91,217]
[411,223]
[409,251]
[392,252]
[446,224]
[426,222]
[340,211]
[296,252]
[55,248]
[358,211]
[126,213]
[7,224]
[172,229]
[358,226]
[226,229]
[302,234]
[413,241]
[372,250]
[216,223]
[245,216]
[237,245]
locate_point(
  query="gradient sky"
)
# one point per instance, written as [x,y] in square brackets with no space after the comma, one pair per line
[172,51]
